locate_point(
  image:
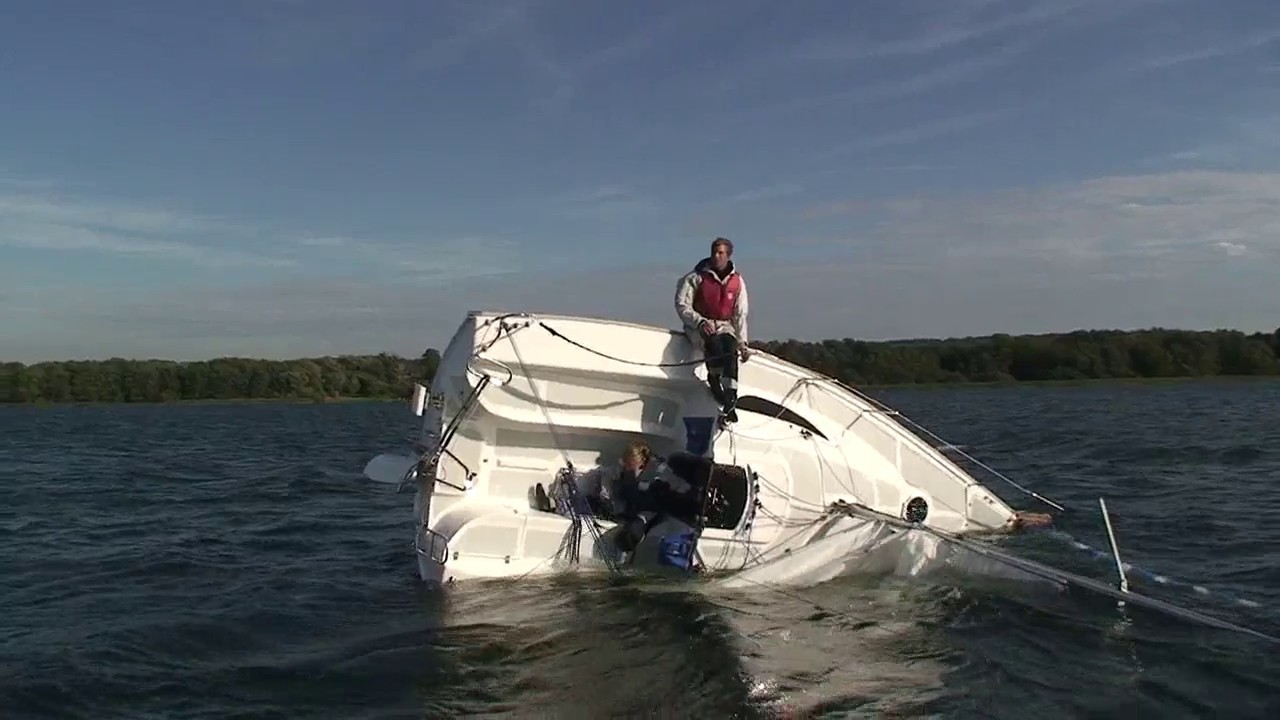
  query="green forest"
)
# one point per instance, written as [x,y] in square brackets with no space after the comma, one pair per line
[1081,355]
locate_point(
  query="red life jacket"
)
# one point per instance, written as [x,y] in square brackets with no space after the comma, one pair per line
[716,298]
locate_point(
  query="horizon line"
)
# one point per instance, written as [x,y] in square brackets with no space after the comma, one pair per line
[919,340]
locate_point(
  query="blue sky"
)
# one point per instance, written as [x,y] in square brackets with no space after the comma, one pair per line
[283,178]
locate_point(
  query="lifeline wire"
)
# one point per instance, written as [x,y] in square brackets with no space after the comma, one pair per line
[683,363]
[1051,573]
[1153,577]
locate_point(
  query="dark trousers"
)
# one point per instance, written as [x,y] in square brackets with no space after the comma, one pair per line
[721,351]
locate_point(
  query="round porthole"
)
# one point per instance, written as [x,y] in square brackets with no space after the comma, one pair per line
[916,510]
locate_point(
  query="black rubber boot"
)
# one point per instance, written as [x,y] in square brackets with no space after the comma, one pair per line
[730,403]
[717,390]
[541,500]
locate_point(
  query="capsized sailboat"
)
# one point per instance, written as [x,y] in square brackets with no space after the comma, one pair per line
[811,468]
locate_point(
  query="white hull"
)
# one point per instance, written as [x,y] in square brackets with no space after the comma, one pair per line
[802,443]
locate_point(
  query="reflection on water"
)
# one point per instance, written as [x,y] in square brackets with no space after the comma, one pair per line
[591,646]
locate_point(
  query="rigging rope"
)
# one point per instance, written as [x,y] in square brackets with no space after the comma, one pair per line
[568,473]
[933,436]
[682,363]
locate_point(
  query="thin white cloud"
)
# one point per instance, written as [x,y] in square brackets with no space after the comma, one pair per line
[427,260]
[13,183]
[555,85]
[43,218]
[51,206]
[485,30]
[1238,142]
[294,33]
[963,23]
[1162,222]
[324,241]
[768,192]
[603,203]
[446,34]
[941,75]
[639,43]
[1223,49]
[920,132]
[1233,249]
[457,259]
[915,167]
[948,74]
[38,216]
[555,76]
[1187,249]
[70,238]
[473,27]
[930,49]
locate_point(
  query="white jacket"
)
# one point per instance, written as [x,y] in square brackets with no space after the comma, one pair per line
[687,290]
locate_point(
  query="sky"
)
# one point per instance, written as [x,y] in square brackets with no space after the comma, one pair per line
[288,178]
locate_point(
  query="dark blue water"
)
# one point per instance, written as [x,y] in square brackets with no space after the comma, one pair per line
[228,561]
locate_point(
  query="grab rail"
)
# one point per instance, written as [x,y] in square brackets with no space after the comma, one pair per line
[438,549]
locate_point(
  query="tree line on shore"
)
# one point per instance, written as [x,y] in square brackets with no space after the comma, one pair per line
[1080,355]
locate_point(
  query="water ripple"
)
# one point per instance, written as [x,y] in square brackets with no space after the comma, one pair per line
[226,560]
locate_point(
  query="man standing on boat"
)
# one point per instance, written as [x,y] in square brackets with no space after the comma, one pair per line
[711,301]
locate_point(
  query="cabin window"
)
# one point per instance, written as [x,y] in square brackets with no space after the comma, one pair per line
[769,408]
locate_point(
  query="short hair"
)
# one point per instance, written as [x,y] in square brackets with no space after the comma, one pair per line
[726,242]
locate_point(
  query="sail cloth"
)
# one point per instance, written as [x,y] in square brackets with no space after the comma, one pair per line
[858,540]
